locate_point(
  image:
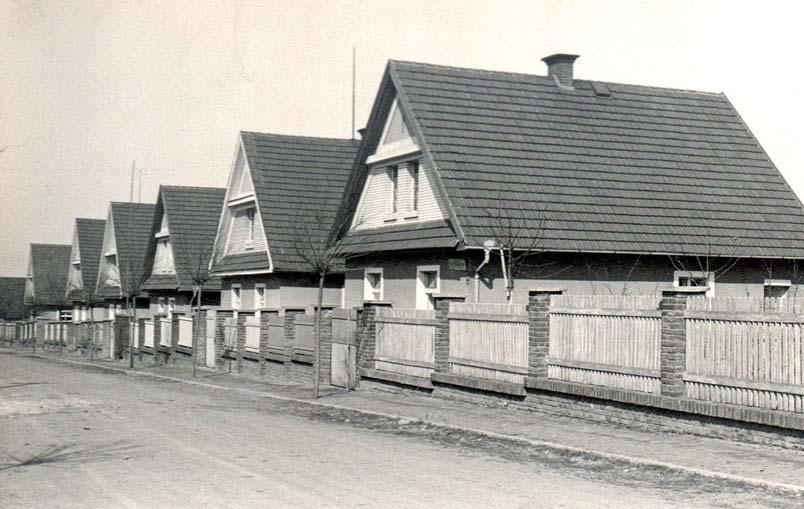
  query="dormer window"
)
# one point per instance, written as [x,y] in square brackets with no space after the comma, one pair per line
[250,225]
[393,175]
[413,168]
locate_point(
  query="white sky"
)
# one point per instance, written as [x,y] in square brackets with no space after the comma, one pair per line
[87,87]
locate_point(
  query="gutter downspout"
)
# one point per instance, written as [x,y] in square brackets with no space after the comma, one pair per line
[487,247]
[505,275]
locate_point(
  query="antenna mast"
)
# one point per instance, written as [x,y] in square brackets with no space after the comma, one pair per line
[354,52]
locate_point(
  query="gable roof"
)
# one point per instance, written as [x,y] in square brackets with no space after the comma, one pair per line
[50,264]
[12,294]
[642,170]
[298,185]
[90,245]
[192,214]
[132,226]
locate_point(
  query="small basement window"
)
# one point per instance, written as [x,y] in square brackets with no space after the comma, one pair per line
[373,284]
[428,283]
[775,291]
[694,279]
[259,296]
[235,296]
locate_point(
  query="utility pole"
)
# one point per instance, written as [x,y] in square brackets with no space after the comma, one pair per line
[354,56]
[132,318]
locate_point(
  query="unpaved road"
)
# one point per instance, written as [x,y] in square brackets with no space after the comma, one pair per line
[80,437]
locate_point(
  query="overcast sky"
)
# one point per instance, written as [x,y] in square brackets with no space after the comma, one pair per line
[88,87]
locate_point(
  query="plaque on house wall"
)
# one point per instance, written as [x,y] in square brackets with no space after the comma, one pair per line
[457,264]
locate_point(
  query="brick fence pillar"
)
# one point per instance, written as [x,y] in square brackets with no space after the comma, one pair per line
[539,331]
[140,338]
[367,335]
[174,338]
[325,348]
[200,337]
[441,339]
[122,328]
[674,340]
[220,320]
[157,338]
[240,340]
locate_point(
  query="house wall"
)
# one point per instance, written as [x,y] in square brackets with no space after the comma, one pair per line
[575,273]
[183,300]
[283,290]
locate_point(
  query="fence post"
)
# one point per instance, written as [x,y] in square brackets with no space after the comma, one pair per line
[157,338]
[174,338]
[673,357]
[265,333]
[140,338]
[367,336]
[325,348]
[441,338]
[539,331]
[290,335]
[122,335]
[220,332]
[240,339]
[200,337]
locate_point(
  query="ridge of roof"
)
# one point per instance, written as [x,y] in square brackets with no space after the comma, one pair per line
[298,138]
[548,79]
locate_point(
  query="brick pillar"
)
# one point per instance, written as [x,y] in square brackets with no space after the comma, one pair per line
[123,334]
[200,337]
[265,332]
[539,331]
[674,341]
[240,341]
[140,338]
[157,337]
[367,339]
[220,320]
[441,340]
[290,331]
[325,345]
[174,338]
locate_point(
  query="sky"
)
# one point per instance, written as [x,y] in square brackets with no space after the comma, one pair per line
[90,88]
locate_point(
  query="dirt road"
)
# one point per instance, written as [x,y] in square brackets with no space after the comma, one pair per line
[72,437]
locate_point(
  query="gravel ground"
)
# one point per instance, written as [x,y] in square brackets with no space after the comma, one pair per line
[79,437]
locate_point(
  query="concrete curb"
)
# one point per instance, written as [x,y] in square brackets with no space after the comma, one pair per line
[791,488]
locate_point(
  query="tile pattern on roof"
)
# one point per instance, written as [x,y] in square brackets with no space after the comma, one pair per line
[192,214]
[430,234]
[132,227]
[50,265]
[644,170]
[90,243]
[12,294]
[298,184]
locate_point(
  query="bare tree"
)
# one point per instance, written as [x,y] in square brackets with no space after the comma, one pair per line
[711,264]
[199,272]
[322,255]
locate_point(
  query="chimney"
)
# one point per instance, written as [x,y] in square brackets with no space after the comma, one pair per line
[559,67]
[362,132]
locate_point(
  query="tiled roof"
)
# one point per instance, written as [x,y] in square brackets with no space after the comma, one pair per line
[297,181]
[50,265]
[12,293]
[90,244]
[132,227]
[193,214]
[644,170]
[242,262]
[431,234]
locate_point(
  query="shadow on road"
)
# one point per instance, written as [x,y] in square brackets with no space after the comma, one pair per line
[61,454]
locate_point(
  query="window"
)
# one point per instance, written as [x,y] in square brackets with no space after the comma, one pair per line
[259,296]
[393,175]
[414,180]
[160,306]
[250,218]
[775,294]
[373,285]
[235,296]
[428,283]
[693,279]
[171,306]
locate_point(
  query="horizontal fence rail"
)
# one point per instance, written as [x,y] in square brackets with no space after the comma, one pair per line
[739,355]
[607,340]
[404,342]
[489,341]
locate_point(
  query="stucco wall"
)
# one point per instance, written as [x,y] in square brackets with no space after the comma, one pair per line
[283,290]
[577,274]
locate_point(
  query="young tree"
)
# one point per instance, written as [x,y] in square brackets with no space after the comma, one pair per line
[711,264]
[199,272]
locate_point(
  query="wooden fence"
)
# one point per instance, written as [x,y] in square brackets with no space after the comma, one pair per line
[165,332]
[8,331]
[404,342]
[186,331]
[344,326]
[148,331]
[277,344]
[745,352]
[253,333]
[303,336]
[230,333]
[607,340]
[489,341]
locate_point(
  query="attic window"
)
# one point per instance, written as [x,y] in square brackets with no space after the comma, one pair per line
[372,285]
[393,175]
[601,89]
[250,219]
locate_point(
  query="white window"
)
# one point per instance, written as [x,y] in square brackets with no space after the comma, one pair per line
[428,283]
[776,291]
[413,169]
[693,279]
[259,296]
[393,176]
[373,284]
[111,312]
[171,307]
[235,296]
[250,219]
[160,306]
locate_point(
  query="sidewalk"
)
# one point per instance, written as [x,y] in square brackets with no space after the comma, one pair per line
[747,463]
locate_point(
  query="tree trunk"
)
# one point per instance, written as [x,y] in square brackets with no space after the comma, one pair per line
[317,335]
[196,327]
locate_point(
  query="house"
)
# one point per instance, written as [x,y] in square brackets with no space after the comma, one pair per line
[83,272]
[179,248]
[125,241]
[12,295]
[592,187]
[47,280]
[281,198]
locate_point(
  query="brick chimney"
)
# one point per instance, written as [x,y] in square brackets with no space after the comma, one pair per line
[559,67]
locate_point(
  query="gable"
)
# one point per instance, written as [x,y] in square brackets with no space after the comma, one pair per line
[108,271]
[75,282]
[163,255]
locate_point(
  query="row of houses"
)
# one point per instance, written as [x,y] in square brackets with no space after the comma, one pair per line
[510,233]
[466,183]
